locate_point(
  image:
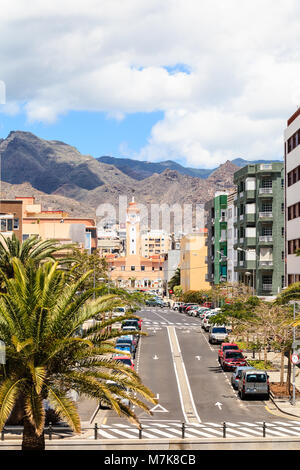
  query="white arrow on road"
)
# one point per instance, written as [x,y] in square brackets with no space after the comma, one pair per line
[156,357]
[219,405]
[198,357]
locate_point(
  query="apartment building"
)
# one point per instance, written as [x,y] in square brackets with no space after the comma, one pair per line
[216,225]
[292,197]
[11,218]
[56,224]
[154,242]
[260,227]
[232,276]
[193,269]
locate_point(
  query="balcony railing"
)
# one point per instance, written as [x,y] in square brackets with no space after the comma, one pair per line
[266,166]
[267,287]
[266,214]
[265,190]
[266,238]
[266,263]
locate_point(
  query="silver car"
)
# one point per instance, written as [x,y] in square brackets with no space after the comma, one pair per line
[254,382]
[217,334]
[237,374]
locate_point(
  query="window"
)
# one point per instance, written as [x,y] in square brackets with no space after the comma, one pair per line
[282,231]
[122,268]
[132,268]
[293,176]
[3,225]
[142,268]
[16,224]
[266,183]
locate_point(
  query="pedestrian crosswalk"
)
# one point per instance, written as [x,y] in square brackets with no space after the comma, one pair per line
[159,323]
[172,430]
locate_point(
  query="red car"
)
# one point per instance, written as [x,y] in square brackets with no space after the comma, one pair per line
[224,347]
[126,360]
[231,359]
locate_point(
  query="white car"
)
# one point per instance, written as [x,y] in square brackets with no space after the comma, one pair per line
[217,334]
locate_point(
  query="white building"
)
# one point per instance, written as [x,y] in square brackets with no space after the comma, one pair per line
[292,197]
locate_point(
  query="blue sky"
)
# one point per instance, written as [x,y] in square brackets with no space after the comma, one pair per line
[92,133]
[198,82]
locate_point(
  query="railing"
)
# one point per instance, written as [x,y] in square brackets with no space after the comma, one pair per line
[266,238]
[266,166]
[265,190]
[266,263]
[222,430]
[266,214]
[267,287]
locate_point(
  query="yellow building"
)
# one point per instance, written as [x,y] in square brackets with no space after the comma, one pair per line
[193,268]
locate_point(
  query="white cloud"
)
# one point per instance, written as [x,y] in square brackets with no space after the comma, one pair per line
[113,56]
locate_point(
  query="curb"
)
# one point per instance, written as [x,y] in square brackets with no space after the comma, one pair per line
[281,411]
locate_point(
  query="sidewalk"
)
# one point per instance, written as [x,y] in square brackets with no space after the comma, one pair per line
[283,405]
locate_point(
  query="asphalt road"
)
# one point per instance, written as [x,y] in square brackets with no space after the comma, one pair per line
[179,365]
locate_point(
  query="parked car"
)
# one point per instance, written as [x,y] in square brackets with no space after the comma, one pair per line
[131,324]
[217,334]
[154,303]
[237,374]
[226,346]
[189,308]
[118,312]
[254,382]
[125,360]
[206,324]
[114,388]
[176,305]
[232,359]
[130,339]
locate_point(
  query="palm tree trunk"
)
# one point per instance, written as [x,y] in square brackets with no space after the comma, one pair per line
[31,440]
[282,356]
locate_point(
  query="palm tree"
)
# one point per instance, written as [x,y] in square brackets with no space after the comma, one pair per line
[292,292]
[41,318]
[33,248]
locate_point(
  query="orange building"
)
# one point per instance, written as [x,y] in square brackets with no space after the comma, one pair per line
[49,224]
[134,270]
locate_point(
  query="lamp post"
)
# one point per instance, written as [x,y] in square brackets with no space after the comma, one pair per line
[245,251]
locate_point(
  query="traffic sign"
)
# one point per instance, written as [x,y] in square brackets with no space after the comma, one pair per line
[295,358]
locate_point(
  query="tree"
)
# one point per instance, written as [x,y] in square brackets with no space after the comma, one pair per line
[32,249]
[50,352]
[84,262]
[175,279]
[292,292]
[178,292]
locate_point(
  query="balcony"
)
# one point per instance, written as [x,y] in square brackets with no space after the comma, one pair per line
[267,287]
[266,215]
[266,264]
[265,191]
[266,239]
[265,166]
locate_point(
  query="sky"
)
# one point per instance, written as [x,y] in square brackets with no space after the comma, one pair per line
[195,81]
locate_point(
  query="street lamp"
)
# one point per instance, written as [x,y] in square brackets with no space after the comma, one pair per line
[245,251]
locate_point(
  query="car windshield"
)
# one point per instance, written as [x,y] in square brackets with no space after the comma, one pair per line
[130,323]
[219,330]
[261,378]
[125,361]
[230,346]
[123,342]
[234,355]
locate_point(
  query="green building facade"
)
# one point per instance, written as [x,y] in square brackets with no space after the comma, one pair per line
[259,227]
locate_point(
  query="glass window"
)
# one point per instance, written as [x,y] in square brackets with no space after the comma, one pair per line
[3,225]
[261,378]
[16,224]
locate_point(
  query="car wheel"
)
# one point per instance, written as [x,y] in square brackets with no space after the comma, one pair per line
[242,395]
[267,397]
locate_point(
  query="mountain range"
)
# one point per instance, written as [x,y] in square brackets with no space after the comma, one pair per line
[62,178]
